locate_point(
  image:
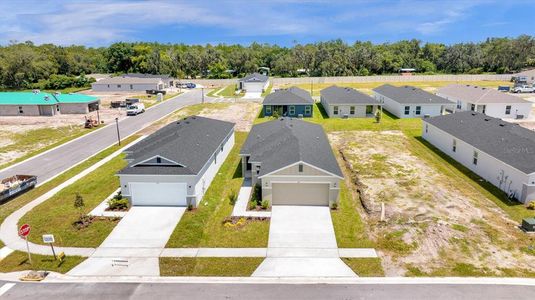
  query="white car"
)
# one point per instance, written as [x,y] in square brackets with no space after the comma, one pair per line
[135,109]
[523,89]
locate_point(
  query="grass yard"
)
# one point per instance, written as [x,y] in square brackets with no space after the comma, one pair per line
[367,87]
[365,267]
[33,142]
[268,90]
[228,92]
[203,227]
[57,214]
[18,261]
[150,100]
[209,266]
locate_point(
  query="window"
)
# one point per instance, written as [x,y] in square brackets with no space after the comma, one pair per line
[158,160]
[108,86]
[118,86]
[291,110]
[335,110]
[131,87]
[454,146]
[215,158]
[20,110]
[268,109]
[308,110]
[473,107]
[351,110]
[418,110]
[300,168]
[426,128]
[474,160]
[508,110]
[407,110]
[221,147]
[459,104]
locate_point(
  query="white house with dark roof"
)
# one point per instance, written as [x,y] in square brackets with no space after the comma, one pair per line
[344,102]
[488,101]
[411,102]
[128,84]
[500,152]
[292,161]
[175,165]
[254,83]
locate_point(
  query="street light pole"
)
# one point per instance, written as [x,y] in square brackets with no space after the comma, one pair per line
[118,134]
[202,90]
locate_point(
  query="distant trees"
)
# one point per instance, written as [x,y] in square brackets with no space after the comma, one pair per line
[22,65]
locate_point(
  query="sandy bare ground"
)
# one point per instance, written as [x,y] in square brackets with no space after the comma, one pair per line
[433,222]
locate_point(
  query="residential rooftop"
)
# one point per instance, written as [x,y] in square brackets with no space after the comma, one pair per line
[187,144]
[409,95]
[508,142]
[42,98]
[290,96]
[255,77]
[344,95]
[279,143]
[476,94]
[128,80]
[143,75]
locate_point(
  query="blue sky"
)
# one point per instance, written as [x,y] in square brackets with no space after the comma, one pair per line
[100,23]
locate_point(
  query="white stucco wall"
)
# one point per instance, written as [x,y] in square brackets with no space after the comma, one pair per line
[255,86]
[345,109]
[101,87]
[496,110]
[28,110]
[398,109]
[73,108]
[500,174]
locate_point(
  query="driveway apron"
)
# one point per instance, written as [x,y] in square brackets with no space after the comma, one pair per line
[133,247]
[302,243]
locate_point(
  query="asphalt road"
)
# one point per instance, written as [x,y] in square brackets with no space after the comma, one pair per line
[193,291]
[60,159]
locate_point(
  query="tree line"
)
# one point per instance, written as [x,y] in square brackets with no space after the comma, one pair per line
[25,65]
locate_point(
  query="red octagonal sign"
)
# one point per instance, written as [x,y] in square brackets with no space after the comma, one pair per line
[24,230]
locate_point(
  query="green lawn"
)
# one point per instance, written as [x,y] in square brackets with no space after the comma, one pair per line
[9,207]
[37,141]
[56,215]
[365,267]
[203,227]
[267,91]
[150,100]
[209,266]
[228,92]
[18,261]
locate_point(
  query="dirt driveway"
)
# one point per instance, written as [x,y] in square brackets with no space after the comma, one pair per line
[435,224]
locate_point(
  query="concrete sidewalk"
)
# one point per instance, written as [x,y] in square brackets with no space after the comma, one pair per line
[240,207]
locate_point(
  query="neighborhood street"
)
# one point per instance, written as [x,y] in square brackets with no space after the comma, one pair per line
[264,291]
[51,163]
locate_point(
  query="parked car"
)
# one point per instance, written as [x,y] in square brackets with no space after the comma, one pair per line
[135,109]
[155,92]
[504,88]
[525,88]
[14,185]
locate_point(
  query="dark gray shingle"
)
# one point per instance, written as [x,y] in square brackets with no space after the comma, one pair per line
[255,77]
[409,95]
[291,96]
[344,95]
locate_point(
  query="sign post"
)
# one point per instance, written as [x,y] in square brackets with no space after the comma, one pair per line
[24,231]
[49,239]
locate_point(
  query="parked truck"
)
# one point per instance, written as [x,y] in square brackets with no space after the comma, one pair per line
[15,185]
[525,88]
[135,109]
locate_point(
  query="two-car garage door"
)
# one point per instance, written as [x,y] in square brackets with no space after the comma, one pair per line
[158,194]
[300,194]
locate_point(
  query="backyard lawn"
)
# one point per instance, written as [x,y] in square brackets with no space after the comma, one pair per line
[18,261]
[209,266]
[203,227]
[228,92]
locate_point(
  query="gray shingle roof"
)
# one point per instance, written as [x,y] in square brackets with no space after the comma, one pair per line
[255,77]
[410,95]
[190,142]
[475,94]
[508,142]
[128,80]
[293,95]
[344,95]
[280,143]
[143,75]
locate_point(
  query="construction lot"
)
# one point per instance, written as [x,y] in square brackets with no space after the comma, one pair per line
[434,223]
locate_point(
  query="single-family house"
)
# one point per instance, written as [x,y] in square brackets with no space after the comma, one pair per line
[500,152]
[411,102]
[485,100]
[127,84]
[38,103]
[293,163]
[344,102]
[254,83]
[175,165]
[167,80]
[291,102]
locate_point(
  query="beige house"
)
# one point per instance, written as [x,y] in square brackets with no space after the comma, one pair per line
[293,163]
[344,102]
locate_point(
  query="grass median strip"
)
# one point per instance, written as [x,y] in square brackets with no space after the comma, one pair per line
[209,266]
[203,226]
[18,261]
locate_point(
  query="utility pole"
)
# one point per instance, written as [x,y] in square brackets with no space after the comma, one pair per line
[118,134]
[202,90]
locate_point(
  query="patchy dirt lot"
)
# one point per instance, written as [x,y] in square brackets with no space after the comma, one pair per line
[434,224]
[242,113]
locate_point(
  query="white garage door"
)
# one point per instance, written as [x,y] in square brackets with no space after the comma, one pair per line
[158,194]
[300,194]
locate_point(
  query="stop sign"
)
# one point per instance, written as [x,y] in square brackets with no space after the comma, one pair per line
[24,230]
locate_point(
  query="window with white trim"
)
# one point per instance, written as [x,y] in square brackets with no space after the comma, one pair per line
[118,86]
[335,110]
[407,110]
[418,110]
[454,145]
[291,110]
[300,168]
[268,109]
[351,110]
[474,159]
[508,109]
[308,110]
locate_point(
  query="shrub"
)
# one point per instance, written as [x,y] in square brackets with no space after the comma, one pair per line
[265,204]
[118,196]
[252,205]
[232,197]
[257,195]
[190,207]
[531,205]
[378,117]
[334,206]
[275,114]
[120,204]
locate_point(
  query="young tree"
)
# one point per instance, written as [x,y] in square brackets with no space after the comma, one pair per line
[79,204]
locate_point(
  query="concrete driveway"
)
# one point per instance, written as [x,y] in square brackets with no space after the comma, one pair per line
[252,95]
[133,247]
[302,243]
